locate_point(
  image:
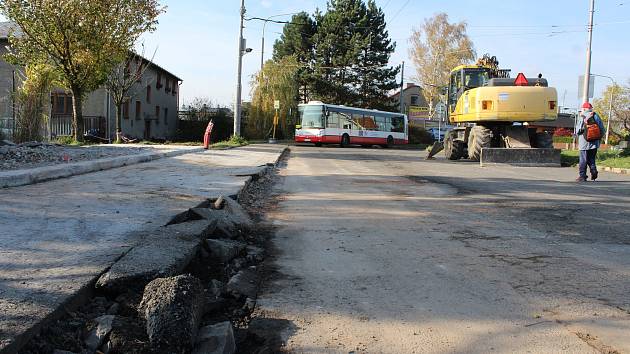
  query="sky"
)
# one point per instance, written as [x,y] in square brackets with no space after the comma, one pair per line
[197,39]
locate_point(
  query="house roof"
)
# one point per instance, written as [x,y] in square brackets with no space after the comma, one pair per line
[408,87]
[8,27]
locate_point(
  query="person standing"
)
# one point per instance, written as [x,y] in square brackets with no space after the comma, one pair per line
[590,131]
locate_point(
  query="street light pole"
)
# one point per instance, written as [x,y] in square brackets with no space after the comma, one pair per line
[262,50]
[237,104]
[610,104]
[402,84]
[587,74]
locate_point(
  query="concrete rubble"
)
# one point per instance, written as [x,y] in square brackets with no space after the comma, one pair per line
[216,339]
[172,308]
[163,253]
[244,284]
[97,336]
[230,217]
[225,250]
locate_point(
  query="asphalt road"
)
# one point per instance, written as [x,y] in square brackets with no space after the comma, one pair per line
[380,251]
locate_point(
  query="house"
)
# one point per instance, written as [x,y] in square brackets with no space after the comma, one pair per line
[415,106]
[150,112]
[7,83]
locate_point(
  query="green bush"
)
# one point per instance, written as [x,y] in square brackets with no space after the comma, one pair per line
[563,139]
[418,135]
[66,140]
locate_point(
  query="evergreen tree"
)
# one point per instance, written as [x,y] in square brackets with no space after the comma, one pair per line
[343,54]
[352,49]
[375,78]
[297,41]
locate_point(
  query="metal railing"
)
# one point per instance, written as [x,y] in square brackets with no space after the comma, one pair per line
[61,125]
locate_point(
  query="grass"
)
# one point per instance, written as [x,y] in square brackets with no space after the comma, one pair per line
[609,158]
[235,141]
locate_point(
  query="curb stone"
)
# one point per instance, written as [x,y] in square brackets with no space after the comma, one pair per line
[17,178]
[623,171]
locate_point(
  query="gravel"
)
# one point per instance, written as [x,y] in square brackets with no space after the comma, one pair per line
[33,154]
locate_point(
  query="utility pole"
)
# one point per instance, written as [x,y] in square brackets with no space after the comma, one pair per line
[402,84]
[587,74]
[237,104]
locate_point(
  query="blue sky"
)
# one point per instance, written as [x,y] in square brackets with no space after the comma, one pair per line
[197,39]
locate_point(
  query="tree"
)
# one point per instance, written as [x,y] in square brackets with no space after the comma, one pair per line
[277,81]
[297,40]
[352,49]
[83,40]
[32,100]
[620,106]
[437,47]
[343,54]
[120,82]
[375,79]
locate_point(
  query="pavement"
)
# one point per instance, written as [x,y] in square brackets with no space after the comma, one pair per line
[381,251]
[21,177]
[57,237]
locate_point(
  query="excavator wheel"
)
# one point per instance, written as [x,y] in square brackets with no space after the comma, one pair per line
[544,141]
[453,149]
[480,137]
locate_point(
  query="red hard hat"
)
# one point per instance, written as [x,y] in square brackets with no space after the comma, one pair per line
[587,105]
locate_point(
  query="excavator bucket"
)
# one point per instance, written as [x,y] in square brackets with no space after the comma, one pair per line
[527,157]
[437,147]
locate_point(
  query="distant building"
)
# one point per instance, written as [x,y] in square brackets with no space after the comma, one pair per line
[150,112]
[413,100]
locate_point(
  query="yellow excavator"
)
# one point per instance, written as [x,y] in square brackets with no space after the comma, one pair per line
[493,116]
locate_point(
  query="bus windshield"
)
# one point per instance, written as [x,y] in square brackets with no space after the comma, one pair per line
[311,116]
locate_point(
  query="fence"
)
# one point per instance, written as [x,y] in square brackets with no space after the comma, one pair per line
[6,127]
[61,125]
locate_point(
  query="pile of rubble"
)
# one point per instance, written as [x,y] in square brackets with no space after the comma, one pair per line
[181,290]
[38,154]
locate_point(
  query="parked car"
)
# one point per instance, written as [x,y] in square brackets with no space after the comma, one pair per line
[438,133]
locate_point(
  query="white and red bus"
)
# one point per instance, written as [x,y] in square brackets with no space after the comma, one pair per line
[320,123]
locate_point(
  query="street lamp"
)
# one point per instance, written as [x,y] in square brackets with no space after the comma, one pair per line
[242,50]
[262,51]
[610,103]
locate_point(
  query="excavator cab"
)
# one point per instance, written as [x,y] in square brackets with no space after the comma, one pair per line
[463,80]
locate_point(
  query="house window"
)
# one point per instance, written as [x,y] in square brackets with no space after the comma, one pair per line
[148,93]
[166,115]
[174,87]
[414,100]
[59,103]
[125,110]
[157,114]
[138,109]
[158,85]
[139,69]
[168,85]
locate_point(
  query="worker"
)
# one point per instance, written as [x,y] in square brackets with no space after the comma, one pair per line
[590,130]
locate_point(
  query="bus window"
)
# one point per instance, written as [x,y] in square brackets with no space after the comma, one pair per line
[332,121]
[381,123]
[357,120]
[398,125]
[345,121]
[311,116]
[369,123]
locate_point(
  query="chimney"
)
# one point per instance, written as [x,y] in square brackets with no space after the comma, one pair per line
[410,85]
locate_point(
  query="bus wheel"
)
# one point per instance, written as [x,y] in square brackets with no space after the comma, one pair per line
[318,144]
[390,142]
[345,140]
